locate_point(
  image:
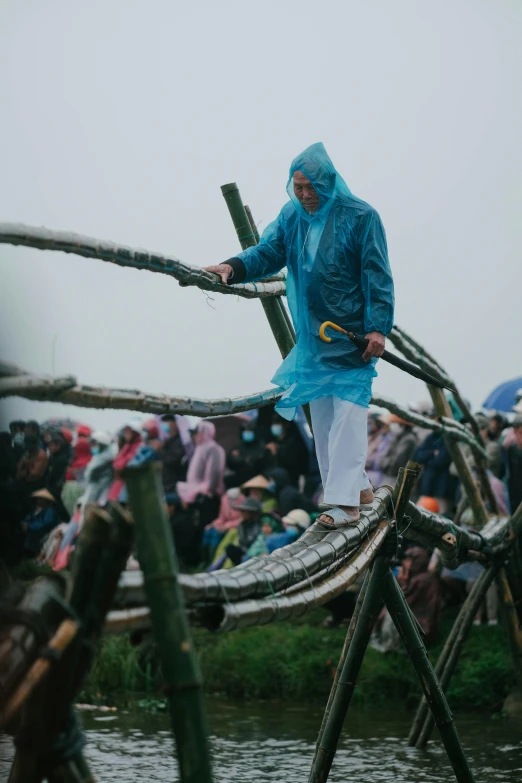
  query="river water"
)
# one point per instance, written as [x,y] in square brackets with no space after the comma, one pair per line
[275,742]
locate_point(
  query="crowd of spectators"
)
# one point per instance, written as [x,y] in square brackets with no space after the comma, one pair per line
[228,502]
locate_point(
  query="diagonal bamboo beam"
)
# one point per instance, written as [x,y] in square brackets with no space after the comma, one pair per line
[134,258]
[417,354]
[15,381]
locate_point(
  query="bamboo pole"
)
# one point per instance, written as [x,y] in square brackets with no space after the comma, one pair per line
[344,652]
[416,353]
[15,382]
[279,608]
[514,574]
[247,237]
[449,427]
[421,350]
[101,553]
[317,548]
[48,726]
[187,275]
[407,627]
[475,500]
[64,635]
[321,553]
[406,480]
[179,662]
[255,232]
[449,656]
[331,730]
[357,640]
[50,389]
[512,628]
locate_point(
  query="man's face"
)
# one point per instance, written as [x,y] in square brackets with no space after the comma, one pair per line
[173,428]
[305,192]
[518,436]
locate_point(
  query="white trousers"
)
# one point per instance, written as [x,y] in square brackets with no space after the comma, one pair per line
[341,443]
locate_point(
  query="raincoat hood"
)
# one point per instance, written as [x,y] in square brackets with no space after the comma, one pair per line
[315,163]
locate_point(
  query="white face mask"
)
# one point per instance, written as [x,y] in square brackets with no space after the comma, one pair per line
[276,430]
[395,427]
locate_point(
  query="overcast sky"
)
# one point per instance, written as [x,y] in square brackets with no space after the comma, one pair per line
[120,120]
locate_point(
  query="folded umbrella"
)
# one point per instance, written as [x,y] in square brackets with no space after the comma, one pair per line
[391,358]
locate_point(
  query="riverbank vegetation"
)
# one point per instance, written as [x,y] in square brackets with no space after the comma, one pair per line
[297,662]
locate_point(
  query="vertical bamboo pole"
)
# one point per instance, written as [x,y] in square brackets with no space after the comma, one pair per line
[359,632]
[406,480]
[417,354]
[180,667]
[514,574]
[255,232]
[449,657]
[344,652]
[273,307]
[328,741]
[513,632]
[407,628]
[475,500]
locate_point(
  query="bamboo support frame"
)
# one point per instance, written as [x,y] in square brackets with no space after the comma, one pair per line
[343,688]
[87,600]
[357,638]
[344,652]
[299,577]
[450,654]
[317,549]
[243,614]
[511,624]
[478,508]
[409,632]
[319,555]
[183,681]
[416,353]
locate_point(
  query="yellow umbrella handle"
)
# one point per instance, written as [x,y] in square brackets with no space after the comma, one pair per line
[329,325]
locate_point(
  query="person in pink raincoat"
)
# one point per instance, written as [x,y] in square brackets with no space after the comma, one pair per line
[205,474]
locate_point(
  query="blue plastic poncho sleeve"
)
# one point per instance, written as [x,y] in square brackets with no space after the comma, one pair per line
[376,277]
[267,257]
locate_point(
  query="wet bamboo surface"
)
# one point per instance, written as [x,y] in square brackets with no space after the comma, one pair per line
[135,258]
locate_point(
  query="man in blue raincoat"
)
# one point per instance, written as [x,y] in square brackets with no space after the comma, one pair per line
[334,247]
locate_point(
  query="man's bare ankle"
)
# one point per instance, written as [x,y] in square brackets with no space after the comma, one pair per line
[366,496]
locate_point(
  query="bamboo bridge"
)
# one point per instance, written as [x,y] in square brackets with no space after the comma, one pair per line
[51,627]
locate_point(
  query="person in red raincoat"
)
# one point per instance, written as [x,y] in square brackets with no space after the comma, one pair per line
[131,444]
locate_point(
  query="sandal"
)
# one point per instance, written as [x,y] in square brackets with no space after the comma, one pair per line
[339,518]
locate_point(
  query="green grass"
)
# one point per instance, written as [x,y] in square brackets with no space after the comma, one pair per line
[297,662]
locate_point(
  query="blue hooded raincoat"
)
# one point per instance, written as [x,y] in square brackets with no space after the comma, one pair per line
[338,271]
